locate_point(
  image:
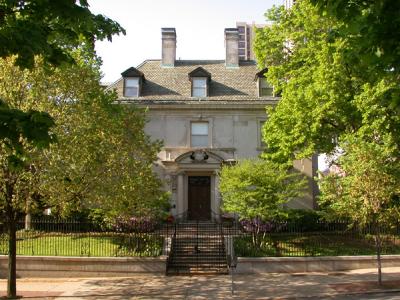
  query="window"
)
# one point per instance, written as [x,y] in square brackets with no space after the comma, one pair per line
[241,29]
[200,79]
[265,88]
[199,87]
[131,88]
[261,143]
[199,134]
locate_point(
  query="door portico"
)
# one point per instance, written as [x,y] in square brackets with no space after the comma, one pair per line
[196,194]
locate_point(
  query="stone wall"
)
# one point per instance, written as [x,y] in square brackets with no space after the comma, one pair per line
[312,264]
[58,266]
[61,266]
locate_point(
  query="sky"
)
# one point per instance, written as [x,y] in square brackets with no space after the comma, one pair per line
[199,28]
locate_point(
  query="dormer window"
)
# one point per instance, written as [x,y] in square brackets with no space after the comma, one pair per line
[200,80]
[133,80]
[199,87]
[131,87]
[265,89]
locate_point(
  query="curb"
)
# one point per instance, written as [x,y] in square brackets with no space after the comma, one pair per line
[387,291]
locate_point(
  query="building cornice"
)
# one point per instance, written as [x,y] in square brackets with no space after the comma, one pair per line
[203,105]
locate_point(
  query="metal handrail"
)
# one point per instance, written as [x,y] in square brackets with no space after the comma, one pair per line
[222,237]
[172,250]
[231,260]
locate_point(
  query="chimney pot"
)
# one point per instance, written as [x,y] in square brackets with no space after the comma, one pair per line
[232,47]
[168,37]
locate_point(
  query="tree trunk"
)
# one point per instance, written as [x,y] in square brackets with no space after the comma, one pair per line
[378,243]
[11,220]
[12,258]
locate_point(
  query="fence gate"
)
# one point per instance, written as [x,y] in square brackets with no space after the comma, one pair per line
[197,248]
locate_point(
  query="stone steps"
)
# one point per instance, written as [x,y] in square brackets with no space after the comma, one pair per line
[197,248]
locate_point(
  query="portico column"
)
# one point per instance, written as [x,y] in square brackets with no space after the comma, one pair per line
[180,207]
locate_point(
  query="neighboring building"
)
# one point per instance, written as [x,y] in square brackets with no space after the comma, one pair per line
[208,113]
[246,39]
[289,3]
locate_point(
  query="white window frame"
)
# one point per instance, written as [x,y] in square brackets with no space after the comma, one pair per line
[197,87]
[263,84]
[136,85]
[201,135]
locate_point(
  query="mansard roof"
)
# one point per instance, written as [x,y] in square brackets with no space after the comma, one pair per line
[171,84]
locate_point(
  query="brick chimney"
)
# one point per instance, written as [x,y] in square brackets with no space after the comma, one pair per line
[168,36]
[232,47]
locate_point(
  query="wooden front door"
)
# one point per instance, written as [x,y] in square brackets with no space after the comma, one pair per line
[199,198]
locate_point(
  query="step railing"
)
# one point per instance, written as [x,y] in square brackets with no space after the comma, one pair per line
[199,245]
[172,249]
[231,259]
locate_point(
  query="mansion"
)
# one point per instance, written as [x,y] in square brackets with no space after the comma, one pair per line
[207,113]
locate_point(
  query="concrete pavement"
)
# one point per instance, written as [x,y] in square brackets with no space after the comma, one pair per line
[357,284]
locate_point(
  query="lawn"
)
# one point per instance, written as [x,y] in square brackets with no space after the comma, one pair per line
[85,244]
[314,244]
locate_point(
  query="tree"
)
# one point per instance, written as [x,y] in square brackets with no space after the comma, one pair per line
[258,189]
[17,128]
[336,94]
[100,145]
[102,158]
[307,61]
[50,29]
[372,31]
[316,87]
[369,191]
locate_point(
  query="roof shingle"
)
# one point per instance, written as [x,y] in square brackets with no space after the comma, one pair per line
[173,83]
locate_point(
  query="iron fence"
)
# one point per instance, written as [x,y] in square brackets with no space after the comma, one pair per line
[124,238]
[53,237]
[313,239]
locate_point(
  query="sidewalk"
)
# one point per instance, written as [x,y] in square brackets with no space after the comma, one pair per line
[254,286]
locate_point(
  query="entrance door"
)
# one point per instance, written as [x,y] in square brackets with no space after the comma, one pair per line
[199,198]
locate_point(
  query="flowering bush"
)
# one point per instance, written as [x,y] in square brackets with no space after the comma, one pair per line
[258,226]
[134,224]
[259,229]
[170,219]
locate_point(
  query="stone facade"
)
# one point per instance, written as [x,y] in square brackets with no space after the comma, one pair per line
[201,133]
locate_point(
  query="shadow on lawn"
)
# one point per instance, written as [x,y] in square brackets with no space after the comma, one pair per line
[86,244]
[314,244]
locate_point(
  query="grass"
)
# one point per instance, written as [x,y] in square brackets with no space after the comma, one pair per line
[85,244]
[314,244]
[114,244]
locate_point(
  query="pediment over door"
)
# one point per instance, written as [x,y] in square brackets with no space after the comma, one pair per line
[199,157]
